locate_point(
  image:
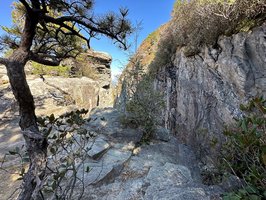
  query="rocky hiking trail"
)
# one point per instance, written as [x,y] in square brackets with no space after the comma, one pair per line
[160,170]
[122,170]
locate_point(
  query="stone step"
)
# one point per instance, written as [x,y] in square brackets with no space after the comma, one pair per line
[106,169]
[97,147]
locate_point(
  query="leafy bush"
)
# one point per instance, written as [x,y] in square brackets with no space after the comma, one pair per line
[144,103]
[67,152]
[40,69]
[244,153]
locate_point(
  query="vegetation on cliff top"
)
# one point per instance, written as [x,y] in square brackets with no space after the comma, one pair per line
[197,23]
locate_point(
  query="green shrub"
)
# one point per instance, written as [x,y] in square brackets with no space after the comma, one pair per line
[144,103]
[67,154]
[244,153]
[40,69]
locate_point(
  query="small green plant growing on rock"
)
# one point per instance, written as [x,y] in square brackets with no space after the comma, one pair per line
[244,153]
[68,146]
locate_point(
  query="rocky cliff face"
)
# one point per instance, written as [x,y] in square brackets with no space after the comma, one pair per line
[204,92]
[97,66]
[100,62]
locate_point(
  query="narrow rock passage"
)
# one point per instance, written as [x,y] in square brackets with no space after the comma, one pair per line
[161,170]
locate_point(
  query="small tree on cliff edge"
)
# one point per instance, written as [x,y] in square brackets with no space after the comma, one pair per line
[47,37]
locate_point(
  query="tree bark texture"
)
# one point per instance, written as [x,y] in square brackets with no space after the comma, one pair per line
[36,143]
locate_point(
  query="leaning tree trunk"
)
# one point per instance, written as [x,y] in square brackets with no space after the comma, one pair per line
[36,143]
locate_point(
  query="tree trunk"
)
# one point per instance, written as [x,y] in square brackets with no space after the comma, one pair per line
[36,143]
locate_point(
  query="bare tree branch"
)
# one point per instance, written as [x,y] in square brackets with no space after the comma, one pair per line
[41,60]
[61,22]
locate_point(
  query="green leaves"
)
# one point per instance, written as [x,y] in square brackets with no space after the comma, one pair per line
[53,150]
[51,118]
[263,154]
[245,150]
[50,70]
[144,104]
[12,152]
[88,169]
[41,121]
[22,156]
[67,139]
[25,158]
[247,193]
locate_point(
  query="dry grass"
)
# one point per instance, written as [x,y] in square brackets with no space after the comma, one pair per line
[197,23]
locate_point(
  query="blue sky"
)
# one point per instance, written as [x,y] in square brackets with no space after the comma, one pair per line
[152,14]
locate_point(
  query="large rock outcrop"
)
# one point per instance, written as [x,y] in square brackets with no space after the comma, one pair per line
[53,95]
[97,66]
[83,92]
[92,64]
[203,92]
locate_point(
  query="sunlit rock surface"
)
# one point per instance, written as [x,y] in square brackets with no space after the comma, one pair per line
[203,92]
[119,168]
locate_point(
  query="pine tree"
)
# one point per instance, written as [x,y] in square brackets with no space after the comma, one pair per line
[50,31]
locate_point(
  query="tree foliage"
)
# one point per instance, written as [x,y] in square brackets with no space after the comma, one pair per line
[64,28]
